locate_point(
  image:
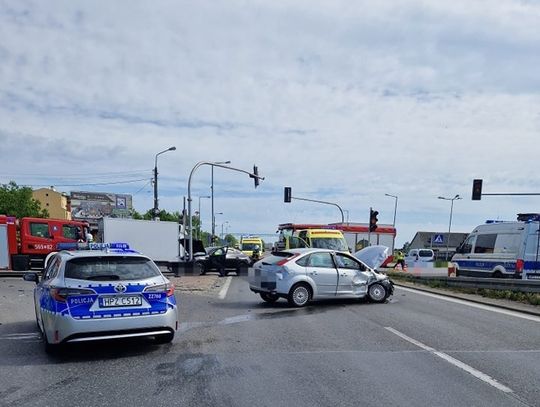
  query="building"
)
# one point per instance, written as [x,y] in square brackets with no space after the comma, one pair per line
[438,241]
[56,203]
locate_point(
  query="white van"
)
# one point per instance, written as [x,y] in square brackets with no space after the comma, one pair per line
[501,249]
[419,255]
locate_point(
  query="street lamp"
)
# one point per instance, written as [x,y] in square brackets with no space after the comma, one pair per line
[156,209]
[346,210]
[200,218]
[212,190]
[449,223]
[394,221]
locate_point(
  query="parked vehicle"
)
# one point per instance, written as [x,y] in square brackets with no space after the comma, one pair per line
[419,255]
[357,235]
[222,260]
[249,244]
[315,238]
[300,275]
[501,249]
[25,242]
[157,240]
[101,294]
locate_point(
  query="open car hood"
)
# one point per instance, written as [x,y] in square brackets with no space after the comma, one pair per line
[373,256]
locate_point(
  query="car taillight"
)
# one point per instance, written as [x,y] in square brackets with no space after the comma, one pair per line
[61,294]
[168,289]
[286,260]
[519,266]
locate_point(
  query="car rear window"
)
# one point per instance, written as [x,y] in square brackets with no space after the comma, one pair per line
[425,253]
[110,268]
[276,257]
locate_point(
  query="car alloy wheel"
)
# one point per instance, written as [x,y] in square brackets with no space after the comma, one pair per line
[299,295]
[377,292]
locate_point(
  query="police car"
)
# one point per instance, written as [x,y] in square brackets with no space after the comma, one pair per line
[104,291]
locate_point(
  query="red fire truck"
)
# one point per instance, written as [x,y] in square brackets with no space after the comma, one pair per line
[25,242]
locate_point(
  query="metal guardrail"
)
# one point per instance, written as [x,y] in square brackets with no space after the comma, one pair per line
[527,286]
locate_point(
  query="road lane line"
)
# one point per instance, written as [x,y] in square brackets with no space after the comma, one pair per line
[225,288]
[473,304]
[469,369]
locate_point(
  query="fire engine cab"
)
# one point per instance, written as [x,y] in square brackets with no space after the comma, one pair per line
[25,242]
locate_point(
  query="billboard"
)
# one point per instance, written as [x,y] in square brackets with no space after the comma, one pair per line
[94,205]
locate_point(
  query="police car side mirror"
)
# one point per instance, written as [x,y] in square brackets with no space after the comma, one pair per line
[31,277]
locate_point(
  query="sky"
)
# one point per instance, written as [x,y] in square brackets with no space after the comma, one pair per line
[342,101]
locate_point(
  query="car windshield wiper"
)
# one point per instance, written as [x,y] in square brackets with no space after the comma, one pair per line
[104,277]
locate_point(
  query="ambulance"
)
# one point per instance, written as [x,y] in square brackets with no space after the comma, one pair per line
[500,249]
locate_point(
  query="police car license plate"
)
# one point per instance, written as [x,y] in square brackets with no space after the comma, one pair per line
[121,301]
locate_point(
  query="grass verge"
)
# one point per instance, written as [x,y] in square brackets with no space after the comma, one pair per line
[526,298]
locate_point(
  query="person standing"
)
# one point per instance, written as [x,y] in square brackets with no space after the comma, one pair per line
[400,259]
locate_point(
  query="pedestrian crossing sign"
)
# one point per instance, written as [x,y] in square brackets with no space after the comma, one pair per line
[437,239]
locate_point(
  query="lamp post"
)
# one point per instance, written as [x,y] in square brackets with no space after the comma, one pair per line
[394,221]
[450,222]
[200,218]
[347,211]
[212,190]
[156,209]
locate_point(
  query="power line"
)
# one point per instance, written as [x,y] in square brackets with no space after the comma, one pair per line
[71,174]
[91,184]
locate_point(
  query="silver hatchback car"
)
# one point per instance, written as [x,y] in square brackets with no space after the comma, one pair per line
[103,294]
[300,275]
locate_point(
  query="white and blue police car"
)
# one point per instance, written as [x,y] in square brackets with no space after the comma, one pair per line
[98,291]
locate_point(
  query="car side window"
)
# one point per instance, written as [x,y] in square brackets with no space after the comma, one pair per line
[303,262]
[52,269]
[346,262]
[322,259]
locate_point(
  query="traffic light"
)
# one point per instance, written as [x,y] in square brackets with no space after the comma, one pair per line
[477,190]
[287,194]
[255,176]
[373,220]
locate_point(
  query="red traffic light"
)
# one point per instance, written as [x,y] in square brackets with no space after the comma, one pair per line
[373,220]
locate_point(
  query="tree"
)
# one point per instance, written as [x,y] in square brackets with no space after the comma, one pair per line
[231,240]
[17,201]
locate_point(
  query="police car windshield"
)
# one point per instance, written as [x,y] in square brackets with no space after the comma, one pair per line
[110,268]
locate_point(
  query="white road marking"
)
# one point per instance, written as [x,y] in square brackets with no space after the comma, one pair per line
[474,305]
[225,288]
[469,369]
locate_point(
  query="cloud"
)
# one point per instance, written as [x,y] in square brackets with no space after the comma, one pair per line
[342,101]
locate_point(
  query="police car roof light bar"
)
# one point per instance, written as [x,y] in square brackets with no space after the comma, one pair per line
[116,246]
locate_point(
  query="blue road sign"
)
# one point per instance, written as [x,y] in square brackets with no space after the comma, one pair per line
[437,239]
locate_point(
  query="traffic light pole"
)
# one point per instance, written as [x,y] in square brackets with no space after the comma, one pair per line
[253,175]
[322,202]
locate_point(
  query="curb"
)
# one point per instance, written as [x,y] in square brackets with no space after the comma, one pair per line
[476,299]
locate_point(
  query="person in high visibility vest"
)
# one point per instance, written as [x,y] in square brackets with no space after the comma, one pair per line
[400,259]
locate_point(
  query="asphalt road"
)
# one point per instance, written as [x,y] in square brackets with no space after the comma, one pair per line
[415,350]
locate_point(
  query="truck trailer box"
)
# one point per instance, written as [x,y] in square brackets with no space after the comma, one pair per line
[155,239]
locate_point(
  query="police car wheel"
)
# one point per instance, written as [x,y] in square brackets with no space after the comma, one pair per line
[50,348]
[165,338]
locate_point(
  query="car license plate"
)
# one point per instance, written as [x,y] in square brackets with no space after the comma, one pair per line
[121,301]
